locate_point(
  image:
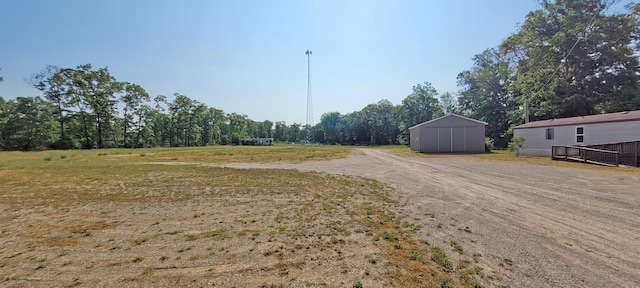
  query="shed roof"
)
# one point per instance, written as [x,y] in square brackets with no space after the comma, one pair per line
[446,116]
[600,118]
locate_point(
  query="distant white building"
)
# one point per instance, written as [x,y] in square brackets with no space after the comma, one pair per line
[256,141]
[583,130]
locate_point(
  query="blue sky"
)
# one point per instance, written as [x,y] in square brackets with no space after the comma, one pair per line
[248,56]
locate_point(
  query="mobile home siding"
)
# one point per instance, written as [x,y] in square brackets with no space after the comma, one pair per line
[536,143]
[594,133]
[612,132]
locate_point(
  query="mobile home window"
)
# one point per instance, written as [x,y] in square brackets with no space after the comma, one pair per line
[579,134]
[549,133]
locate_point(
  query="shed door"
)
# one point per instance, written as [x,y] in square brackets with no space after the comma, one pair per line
[429,141]
[459,139]
[444,140]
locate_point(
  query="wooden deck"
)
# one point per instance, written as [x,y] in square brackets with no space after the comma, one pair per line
[614,154]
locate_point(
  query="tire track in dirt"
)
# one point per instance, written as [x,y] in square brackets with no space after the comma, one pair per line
[561,227]
[582,237]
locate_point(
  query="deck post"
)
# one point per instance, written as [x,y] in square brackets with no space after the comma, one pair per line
[566,153]
[636,152]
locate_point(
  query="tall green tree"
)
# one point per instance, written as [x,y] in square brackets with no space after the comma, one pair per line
[265,129]
[162,129]
[4,117]
[383,122]
[330,123]
[294,133]
[216,120]
[93,92]
[144,132]
[27,123]
[573,58]
[196,125]
[486,94]
[55,85]
[180,110]
[133,96]
[280,132]
[420,106]
[355,128]
[448,103]
[237,127]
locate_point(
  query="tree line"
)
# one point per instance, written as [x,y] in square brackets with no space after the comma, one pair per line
[569,58]
[87,108]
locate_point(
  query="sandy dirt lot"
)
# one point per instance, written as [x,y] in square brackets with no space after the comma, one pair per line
[200,225]
[532,226]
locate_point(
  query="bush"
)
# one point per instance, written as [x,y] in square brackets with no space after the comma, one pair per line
[63,144]
[488,144]
[517,144]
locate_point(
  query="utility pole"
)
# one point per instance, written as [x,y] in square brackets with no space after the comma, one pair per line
[309,100]
[526,111]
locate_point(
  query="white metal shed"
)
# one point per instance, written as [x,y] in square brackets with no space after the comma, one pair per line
[448,134]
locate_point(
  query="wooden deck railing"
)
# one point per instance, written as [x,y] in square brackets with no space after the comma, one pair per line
[585,154]
[629,151]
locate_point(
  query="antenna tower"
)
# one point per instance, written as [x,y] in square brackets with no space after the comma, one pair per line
[309,100]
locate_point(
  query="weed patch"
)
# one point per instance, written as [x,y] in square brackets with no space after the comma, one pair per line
[440,257]
[140,241]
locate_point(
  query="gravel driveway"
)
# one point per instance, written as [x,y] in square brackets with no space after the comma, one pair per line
[531,226]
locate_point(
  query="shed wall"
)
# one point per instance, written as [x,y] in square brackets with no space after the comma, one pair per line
[451,134]
[414,139]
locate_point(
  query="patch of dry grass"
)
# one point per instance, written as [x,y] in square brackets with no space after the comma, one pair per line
[245,154]
[97,218]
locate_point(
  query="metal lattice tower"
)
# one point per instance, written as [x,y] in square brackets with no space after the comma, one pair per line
[309,99]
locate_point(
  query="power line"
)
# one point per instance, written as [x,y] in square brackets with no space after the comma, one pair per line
[566,56]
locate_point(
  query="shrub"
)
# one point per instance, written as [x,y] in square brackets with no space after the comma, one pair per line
[517,144]
[488,144]
[63,144]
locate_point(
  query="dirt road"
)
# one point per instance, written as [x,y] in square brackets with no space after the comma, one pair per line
[531,226]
